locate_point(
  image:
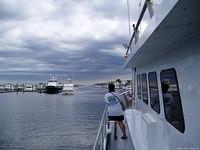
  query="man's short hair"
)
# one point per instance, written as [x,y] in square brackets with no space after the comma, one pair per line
[111,87]
[165,87]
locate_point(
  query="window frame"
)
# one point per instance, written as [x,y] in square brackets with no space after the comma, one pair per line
[150,98]
[142,88]
[139,94]
[180,101]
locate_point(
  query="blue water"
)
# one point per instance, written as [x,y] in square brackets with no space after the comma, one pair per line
[33,121]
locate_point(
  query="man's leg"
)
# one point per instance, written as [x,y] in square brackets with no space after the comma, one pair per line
[115,130]
[122,127]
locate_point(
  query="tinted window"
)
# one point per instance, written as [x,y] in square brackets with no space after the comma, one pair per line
[172,100]
[139,86]
[144,88]
[153,91]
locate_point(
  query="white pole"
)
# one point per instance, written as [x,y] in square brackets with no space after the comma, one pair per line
[129,21]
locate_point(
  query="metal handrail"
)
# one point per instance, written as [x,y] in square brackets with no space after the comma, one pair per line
[101,134]
[102,138]
[137,25]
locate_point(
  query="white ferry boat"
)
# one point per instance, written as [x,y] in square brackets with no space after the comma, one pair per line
[164,56]
[68,88]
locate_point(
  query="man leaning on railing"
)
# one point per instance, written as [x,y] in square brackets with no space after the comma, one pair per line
[115,108]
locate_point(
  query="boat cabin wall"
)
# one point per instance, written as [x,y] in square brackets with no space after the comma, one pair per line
[184,60]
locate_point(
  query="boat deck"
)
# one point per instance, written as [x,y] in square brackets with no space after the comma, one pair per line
[119,144]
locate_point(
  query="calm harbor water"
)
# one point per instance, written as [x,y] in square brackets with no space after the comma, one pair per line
[33,121]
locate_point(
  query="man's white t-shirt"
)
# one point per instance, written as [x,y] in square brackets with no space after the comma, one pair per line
[114,106]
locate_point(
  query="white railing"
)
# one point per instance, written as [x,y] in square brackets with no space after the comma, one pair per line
[101,138]
[103,135]
[135,27]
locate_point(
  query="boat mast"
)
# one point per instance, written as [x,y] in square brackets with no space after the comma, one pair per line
[129,21]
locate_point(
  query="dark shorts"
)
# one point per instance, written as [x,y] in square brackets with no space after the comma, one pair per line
[116,118]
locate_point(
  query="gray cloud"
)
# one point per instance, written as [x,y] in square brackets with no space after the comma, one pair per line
[81,39]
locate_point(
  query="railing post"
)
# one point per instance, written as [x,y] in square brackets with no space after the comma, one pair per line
[101,132]
[101,139]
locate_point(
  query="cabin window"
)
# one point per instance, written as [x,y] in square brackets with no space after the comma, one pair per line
[144,88]
[139,86]
[153,91]
[172,100]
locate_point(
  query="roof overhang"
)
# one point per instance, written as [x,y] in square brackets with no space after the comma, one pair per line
[180,24]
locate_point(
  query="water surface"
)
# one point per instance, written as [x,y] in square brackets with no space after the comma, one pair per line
[33,121]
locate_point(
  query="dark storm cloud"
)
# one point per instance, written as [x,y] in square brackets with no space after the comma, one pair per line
[7,13]
[89,56]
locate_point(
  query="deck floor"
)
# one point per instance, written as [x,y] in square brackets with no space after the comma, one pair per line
[119,144]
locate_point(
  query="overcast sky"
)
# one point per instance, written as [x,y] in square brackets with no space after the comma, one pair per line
[80,39]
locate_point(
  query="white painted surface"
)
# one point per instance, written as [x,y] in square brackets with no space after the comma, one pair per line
[52,83]
[68,88]
[168,41]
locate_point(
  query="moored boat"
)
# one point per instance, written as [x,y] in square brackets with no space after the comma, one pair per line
[68,88]
[52,86]
[28,88]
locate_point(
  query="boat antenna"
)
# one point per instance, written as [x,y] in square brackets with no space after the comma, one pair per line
[129,21]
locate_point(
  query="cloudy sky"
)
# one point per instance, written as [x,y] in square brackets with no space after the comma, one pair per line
[80,39]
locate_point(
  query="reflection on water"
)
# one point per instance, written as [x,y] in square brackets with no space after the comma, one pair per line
[32,121]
